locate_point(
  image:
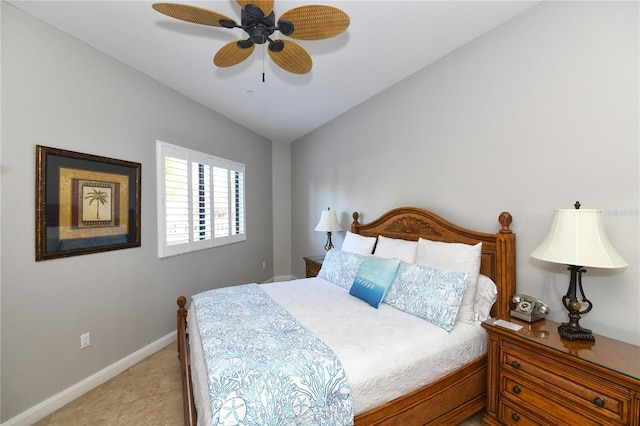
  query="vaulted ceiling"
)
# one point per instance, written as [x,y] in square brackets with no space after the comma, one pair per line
[385,42]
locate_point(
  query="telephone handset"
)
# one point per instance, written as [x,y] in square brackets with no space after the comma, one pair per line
[528,308]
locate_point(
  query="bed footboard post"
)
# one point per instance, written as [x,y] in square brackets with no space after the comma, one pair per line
[181,317]
[183,356]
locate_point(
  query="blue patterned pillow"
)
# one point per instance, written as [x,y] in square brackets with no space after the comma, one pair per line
[373,279]
[340,267]
[428,293]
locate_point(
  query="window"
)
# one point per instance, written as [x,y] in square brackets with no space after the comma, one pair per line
[200,200]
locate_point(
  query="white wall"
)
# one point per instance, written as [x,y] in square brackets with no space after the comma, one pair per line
[281,209]
[59,92]
[0,216]
[537,114]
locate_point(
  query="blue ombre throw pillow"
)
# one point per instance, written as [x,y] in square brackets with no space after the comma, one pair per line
[373,279]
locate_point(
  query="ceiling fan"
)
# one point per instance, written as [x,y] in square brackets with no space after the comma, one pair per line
[312,22]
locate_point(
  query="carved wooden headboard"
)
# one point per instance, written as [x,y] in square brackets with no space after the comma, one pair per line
[498,250]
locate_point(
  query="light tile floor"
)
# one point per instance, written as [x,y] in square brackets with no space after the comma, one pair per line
[473,421]
[147,394]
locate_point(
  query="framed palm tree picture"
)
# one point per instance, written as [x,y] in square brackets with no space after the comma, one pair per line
[85,203]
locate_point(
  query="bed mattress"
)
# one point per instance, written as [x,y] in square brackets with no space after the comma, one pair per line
[385,352]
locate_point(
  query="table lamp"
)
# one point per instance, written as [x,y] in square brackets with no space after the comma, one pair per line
[328,223]
[577,239]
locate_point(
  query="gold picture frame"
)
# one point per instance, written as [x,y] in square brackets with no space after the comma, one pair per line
[85,203]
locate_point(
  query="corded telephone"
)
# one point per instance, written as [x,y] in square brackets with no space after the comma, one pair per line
[528,308]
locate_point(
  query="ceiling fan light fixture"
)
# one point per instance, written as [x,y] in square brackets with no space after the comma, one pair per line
[228,23]
[265,6]
[245,44]
[254,11]
[276,46]
[285,26]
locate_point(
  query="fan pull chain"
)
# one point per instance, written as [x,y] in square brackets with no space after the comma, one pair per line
[263,47]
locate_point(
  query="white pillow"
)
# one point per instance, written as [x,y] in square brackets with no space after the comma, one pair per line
[396,248]
[358,244]
[486,296]
[454,257]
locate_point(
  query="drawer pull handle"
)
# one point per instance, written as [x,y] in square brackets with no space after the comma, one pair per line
[515,417]
[516,389]
[598,401]
[515,364]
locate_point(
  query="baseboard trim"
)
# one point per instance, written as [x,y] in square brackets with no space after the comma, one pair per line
[61,399]
[283,278]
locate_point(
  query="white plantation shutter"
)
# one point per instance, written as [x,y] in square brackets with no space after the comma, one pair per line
[177,200]
[228,202]
[237,200]
[201,201]
[221,201]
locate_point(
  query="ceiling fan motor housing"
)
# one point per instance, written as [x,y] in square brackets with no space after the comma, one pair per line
[259,29]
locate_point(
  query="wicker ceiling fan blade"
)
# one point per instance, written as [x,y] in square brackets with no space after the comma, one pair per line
[197,15]
[232,54]
[292,57]
[265,5]
[315,22]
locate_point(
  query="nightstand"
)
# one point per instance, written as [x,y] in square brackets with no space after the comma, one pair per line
[534,377]
[313,265]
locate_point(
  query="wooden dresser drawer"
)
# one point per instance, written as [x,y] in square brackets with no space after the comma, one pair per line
[512,415]
[581,396]
[537,377]
[537,402]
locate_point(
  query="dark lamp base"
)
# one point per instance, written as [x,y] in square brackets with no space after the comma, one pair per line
[570,332]
[329,244]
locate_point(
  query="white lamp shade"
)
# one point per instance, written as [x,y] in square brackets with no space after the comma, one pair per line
[328,222]
[577,237]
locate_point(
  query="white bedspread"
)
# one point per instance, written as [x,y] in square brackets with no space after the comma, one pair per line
[386,353]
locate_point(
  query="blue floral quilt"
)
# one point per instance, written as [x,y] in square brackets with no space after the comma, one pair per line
[264,367]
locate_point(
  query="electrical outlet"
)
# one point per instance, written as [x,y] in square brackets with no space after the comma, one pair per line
[264,265]
[85,340]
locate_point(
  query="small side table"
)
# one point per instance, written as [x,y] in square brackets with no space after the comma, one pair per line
[313,265]
[537,378]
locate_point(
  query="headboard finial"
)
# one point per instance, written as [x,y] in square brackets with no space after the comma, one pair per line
[354,224]
[505,219]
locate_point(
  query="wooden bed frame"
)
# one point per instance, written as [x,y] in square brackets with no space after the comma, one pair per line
[458,395]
